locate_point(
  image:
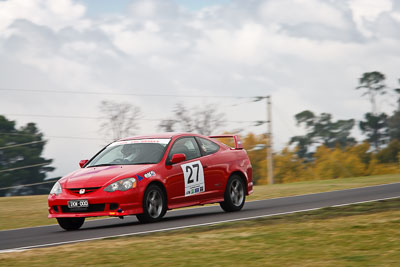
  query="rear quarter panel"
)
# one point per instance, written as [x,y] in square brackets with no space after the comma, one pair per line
[229,161]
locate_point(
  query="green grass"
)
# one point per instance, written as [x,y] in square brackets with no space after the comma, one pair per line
[357,235]
[30,211]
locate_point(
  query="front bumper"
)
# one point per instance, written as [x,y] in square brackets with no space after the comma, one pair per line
[101,203]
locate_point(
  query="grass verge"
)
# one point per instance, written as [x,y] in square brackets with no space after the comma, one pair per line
[358,235]
[31,211]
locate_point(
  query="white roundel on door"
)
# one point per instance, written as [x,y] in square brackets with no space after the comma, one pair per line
[194,177]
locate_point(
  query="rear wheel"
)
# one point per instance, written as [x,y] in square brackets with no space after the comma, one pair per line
[234,196]
[154,205]
[71,223]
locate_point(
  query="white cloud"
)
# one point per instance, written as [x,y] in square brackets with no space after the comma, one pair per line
[365,11]
[55,14]
[307,54]
[293,12]
[369,9]
[155,9]
[242,45]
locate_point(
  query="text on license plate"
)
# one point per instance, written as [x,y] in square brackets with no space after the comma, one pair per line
[82,203]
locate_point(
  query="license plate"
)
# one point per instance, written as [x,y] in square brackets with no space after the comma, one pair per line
[82,203]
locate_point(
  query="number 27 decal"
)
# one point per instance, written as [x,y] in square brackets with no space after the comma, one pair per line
[194,177]
[190,169]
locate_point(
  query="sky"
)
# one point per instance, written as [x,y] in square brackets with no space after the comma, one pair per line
[306,54]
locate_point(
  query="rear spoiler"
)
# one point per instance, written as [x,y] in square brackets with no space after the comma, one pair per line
[238,143]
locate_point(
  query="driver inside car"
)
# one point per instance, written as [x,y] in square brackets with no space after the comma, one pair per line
[130,152]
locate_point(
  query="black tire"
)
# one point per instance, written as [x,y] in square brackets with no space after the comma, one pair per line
[154,205]
[70,224]
[234,196]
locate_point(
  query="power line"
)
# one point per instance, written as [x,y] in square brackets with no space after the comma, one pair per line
[119,94]
[24,167]
[55,136]
[255,123]
[25,185]
[52,116]
[94,118]
[23,144]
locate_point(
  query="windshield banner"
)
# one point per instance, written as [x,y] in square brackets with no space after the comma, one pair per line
[163,141]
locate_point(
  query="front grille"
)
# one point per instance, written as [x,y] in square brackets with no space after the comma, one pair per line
[91,208]
[88,190]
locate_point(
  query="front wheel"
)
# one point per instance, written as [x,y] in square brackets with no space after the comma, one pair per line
[154,205]
[234,196]
[70,224]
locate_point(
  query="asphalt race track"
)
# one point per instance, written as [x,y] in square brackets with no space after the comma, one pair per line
[42,236]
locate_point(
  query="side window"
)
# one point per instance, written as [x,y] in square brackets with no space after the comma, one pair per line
[208,146]
[187,146]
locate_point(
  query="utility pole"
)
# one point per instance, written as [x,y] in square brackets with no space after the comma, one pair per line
[269,142]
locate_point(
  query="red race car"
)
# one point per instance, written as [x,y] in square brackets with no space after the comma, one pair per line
[148,175]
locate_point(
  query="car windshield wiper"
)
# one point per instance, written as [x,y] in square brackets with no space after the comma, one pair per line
[138,163]
[105,164]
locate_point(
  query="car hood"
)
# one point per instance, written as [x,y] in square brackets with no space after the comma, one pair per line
[100,176]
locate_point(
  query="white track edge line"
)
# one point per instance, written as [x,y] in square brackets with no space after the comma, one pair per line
[189,226]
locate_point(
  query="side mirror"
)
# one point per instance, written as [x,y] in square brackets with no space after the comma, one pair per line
[83,162]
[176,158]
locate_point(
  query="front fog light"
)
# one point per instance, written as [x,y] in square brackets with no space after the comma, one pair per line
[121,185]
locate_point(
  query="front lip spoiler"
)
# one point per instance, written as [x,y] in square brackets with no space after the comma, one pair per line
[96,214]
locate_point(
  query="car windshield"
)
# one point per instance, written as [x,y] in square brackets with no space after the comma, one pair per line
[131,152]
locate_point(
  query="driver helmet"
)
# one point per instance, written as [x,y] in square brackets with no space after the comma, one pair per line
[129,150]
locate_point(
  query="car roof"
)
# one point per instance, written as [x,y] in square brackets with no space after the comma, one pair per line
[159,135]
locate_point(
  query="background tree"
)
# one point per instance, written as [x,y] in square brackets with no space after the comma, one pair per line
[203,120]
[337,163]
[15,157]
[119,119]
[397,90]
[374,84]
[375,128]
[321,130]
[390,153]
[393,124]
[289,167]
[393,121]
[257,154]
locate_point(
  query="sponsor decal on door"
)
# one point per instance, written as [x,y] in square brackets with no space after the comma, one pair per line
[194,178]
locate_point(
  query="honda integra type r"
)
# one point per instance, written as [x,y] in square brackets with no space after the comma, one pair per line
[148,175]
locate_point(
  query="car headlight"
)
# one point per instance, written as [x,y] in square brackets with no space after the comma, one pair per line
[121,185]
[56,189]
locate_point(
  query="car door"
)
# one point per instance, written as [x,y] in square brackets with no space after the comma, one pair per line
[214,167]
[185,180]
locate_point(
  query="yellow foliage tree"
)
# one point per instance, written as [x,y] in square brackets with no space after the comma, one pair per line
[361,150]
[337,163]
[257,156]
[288,167]
[328,163]
[375,168]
